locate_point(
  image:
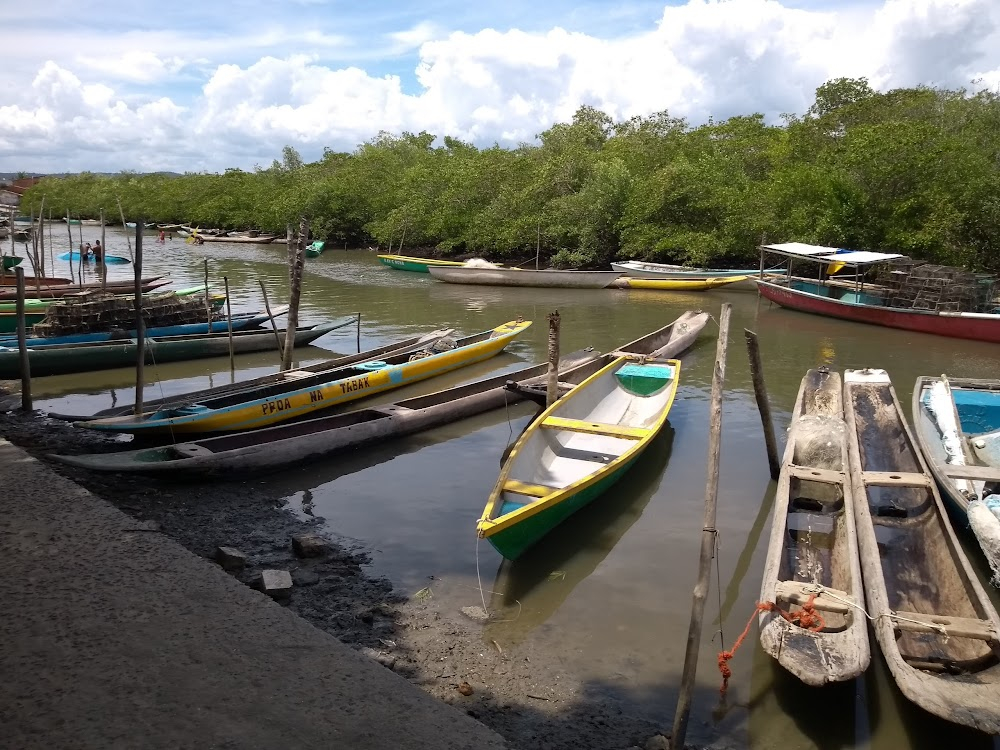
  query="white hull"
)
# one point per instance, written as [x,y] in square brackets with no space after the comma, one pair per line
[638,270]
[519,277]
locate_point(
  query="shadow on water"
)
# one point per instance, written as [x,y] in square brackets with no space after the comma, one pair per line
[529,590]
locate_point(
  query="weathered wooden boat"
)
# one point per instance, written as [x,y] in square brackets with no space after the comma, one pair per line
[35,303]
[957,426]
[549,278]
[287,444]
[315,249]
[677,285]
[108,259]
[812,572]
[873,305]
[60,359]
[7,281]
[9,261]
[642,270]
[418,265]
[936,626]
[262,239]
[576,449]
[56,288]
[312,392]
[265,382]
[283,445]
[240,322]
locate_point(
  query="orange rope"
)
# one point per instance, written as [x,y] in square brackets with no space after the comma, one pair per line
[807,617]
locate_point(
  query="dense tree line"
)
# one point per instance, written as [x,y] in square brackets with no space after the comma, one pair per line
[911,170]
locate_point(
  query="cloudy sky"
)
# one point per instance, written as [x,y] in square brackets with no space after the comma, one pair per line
[196,85]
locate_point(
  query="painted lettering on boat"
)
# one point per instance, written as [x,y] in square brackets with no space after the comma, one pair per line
[272,406]
[354,385]
[315,396]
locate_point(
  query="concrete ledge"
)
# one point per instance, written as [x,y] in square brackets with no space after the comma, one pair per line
[115,636]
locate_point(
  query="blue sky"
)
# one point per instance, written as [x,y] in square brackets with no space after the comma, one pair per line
[194,86]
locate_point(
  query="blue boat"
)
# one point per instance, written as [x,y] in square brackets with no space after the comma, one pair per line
[108,259]
[241,322]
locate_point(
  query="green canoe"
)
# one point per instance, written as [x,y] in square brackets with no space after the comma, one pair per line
[419,265]
[315,249]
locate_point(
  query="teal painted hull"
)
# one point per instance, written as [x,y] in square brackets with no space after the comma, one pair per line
[404,265]
[8,321]
[515,540]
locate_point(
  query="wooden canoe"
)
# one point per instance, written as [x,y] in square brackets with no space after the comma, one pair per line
[298,397]
[60,359]
[54,287]
[936,626]
[576,449]
[231,457]
[678,285]
[956,422]
[417,265]
[315,249]
[812,554]
[549,278]
[643,270]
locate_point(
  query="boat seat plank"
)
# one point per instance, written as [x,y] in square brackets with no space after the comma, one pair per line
[295,374]
[798,592]
[531,490]
[896,479]
[953,627]
[974,473]
[643,357]
[595,428]
[816,475]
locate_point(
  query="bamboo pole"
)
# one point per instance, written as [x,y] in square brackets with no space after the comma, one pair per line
[208,299]
[33,255]
[104,256]
[538,243]
[267,306]
[763,406]
[229,326]
[140,324]
[708,536]
[295,274]
[125,228]
[69,231]
[22,341]
[552,381]
[359,332]
[52,245]
[41,236]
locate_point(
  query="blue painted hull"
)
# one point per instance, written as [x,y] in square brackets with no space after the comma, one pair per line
[108,259]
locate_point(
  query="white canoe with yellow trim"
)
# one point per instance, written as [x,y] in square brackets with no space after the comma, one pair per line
[576,449]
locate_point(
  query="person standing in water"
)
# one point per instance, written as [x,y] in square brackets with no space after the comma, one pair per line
[98,251]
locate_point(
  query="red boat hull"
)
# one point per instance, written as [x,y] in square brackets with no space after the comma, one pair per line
[975,326]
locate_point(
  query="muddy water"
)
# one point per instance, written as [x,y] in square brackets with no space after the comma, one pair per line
[609,594]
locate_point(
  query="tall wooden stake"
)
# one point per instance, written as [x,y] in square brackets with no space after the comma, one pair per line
[104,255]
[267,306]
[69,230]
[359,332]
[229,327]
[140,324]
[22,340]
[538,243]
[52,244]
[552,381]
[125,228]
[708,535]
[295,272]
[760,392]
[40,260]
[208,300]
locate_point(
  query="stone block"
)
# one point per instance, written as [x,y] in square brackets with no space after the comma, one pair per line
[310,545]
[230,558]
[276,583]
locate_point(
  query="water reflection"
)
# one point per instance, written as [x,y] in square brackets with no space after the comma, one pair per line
[527,591]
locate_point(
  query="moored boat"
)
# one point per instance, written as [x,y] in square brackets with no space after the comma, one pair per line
[311,392]
[678,285]
[59,359]
[956,422]
[315,249]
[51,288]
[417,265]
[644,270]
[812,573]
[924,311]
[107,259]
[9,261]
[934,621]
[577,449]
[550,278]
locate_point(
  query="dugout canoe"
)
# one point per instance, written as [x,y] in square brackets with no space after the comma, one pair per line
[417,265]
[549,278]
[956,422]
[312,392]
[937,628]
[61,359]
[677,285]
[49,287]
[233,456]
[812,566]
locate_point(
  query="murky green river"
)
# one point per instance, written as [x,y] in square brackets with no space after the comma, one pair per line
[610,592]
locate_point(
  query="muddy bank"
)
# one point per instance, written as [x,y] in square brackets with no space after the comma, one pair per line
[525,694]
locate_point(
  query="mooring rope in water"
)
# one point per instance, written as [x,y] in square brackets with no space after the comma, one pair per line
[479,578]
[718,583]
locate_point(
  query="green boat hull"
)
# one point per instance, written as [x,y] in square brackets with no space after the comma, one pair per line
[8,321]
[515,540]
[405,265]
[9,261]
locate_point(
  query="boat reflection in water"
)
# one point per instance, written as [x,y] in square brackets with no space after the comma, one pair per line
[529,590]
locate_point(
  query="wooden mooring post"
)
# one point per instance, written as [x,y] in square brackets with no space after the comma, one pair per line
[125,229]
[229,327]
[140,324]
[267,306]
[296,263]
[763,406]
[708,537]
[552,379]
[22,340]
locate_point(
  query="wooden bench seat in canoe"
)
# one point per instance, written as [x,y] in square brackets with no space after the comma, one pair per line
[951,627]
[973,473]
[531,490]
[798,592]
[896,479]
[595,428]
[816,475]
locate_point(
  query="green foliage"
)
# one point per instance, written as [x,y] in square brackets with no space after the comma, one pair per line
[909,170]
